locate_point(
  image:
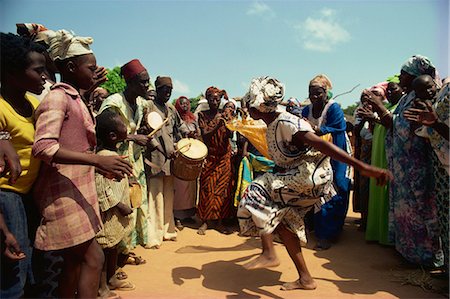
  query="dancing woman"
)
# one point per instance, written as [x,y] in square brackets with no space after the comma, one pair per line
[277,202]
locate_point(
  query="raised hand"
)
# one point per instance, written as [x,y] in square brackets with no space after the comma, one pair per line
[425,116]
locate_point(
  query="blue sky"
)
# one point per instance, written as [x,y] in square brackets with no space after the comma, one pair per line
[227,43]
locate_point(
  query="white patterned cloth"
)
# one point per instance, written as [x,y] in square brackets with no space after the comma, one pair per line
[264,94]
[285,197]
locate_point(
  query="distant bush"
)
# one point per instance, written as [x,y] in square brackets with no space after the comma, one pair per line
[115,83]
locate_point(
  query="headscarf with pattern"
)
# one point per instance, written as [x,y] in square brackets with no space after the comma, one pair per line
[212,89]
[381,88]
[419,65]
[264,94]
[66,45]
[35,32]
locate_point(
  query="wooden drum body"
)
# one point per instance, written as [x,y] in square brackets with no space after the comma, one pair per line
[189,159]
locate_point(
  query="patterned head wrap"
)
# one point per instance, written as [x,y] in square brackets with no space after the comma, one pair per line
[64,45]
[212,89]
[264,94]
[35,32]
[381,88]
[419,65]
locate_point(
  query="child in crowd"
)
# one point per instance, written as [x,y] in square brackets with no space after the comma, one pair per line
[22,70]
[114,201]
[65,189]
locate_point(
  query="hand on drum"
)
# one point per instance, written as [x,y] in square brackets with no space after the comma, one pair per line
[171,156]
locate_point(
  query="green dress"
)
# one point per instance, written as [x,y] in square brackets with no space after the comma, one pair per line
[378,210]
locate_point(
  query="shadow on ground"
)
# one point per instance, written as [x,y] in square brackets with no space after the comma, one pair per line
[383,267]
[230,277]
[249,244]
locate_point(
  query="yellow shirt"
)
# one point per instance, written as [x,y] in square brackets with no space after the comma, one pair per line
[21,130]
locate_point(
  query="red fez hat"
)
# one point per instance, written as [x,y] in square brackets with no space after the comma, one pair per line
[131,69]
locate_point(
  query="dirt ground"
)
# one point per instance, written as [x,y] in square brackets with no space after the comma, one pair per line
[210,266]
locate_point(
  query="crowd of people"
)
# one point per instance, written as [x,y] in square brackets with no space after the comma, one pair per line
[85,176]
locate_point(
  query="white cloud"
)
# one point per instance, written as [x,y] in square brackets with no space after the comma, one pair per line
[323,33]
[260,9]
[181,87]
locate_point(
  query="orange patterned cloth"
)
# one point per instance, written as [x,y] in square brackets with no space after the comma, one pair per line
[216,179]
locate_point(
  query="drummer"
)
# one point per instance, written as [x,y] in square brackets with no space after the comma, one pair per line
[185,196]
[157,167]
[131,104]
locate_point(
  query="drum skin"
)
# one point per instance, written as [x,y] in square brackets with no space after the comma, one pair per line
[189,159]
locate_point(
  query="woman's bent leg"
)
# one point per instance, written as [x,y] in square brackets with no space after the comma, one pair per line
[294,249]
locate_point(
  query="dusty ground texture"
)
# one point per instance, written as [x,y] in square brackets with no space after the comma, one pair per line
[210,266]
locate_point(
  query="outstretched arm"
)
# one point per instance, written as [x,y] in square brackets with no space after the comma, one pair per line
[381,175]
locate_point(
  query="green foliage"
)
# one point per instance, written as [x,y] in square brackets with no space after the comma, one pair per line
[115,82]
[194,101]
[394,79]
[350,109]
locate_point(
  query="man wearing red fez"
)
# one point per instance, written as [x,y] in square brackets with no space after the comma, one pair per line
[131,104]
[160,180]
[131,69]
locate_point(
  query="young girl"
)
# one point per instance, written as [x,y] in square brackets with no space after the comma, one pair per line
[114,201]
[277,202]
[65,190]
[22,70]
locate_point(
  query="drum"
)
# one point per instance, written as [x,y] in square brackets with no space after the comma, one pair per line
[154,120]
[189,159]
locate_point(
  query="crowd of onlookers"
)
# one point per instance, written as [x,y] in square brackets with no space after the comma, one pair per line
[87,175]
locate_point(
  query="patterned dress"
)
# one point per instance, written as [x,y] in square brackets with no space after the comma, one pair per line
[216,178]
[286,196]
[413,225]
[441,166]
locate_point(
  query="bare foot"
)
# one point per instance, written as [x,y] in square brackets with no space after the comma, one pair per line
[262,261]
[202,229]
[299,284]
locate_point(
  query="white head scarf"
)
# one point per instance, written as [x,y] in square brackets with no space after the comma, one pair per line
[264,94]
[65,45]
[230,101]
